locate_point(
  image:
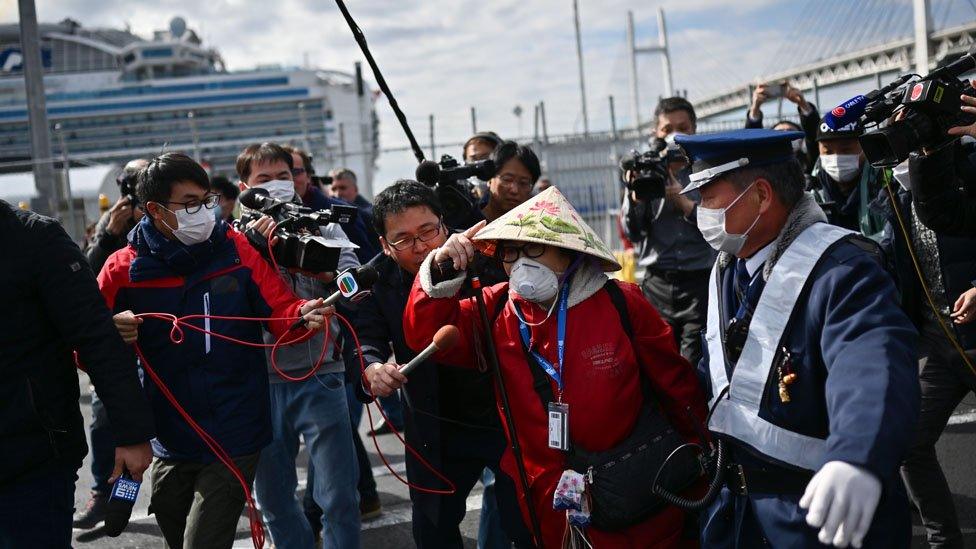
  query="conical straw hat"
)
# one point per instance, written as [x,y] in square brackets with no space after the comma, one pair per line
[548,218]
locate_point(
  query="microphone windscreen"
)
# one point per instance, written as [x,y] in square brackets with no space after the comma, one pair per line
[845,114]
[428,172]
[250,198]
[366,276]
[446,337]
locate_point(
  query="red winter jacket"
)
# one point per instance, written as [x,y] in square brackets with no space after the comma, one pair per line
[602,388]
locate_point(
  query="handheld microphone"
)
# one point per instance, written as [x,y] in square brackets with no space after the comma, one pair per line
[120,503]
[846,113]
[445,338]
[350,283]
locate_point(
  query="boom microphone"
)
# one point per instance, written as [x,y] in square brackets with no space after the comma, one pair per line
[445,338]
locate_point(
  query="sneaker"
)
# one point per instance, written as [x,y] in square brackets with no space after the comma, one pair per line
[370,508]
[95,511]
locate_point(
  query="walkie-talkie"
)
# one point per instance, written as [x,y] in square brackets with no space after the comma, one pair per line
[121,500]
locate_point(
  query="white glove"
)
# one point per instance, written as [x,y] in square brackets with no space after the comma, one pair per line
[840,500]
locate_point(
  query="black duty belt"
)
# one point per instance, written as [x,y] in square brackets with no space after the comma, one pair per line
[752,479]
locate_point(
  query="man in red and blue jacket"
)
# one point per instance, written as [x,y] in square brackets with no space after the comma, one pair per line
[182,261]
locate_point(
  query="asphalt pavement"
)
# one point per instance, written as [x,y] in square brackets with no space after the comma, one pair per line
[392,529]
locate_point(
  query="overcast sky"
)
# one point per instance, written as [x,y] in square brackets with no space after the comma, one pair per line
[443,56]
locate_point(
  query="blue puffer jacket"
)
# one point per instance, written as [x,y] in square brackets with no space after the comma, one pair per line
[222,385]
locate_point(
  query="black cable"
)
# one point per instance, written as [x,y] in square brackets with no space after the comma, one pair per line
[380,81]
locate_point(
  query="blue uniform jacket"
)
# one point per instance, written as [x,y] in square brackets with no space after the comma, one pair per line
[854,353]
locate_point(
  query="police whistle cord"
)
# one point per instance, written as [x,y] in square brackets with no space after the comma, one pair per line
[921,277]
[177,336]
[357,33]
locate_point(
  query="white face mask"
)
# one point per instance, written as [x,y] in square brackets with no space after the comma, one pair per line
[711,223]
[841,167]
[192,228]
[900,172]
[279,189]
[533,280]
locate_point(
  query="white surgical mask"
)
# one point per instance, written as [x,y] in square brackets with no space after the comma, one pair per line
[900,172]
[841,167]
[279,189]
[533,280]
[192,228]
[711,223]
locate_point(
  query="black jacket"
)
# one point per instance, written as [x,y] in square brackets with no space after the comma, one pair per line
[104,243]
[440,399]
[944,186]
[52,306]
[809,122]
[957,262]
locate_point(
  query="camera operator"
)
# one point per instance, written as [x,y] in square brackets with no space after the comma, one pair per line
[516,171]
[676,257]
[51,307]
[948,266]
[182,261]
[116,223]
[806,149]
[944,181]
[359,230]
[844,184]
[315,408]
[453,421]
[479,147]
[110,234]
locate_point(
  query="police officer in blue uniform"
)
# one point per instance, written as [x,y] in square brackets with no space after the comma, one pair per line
[809,362]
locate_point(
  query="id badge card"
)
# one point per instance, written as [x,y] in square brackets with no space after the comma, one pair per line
[559,426]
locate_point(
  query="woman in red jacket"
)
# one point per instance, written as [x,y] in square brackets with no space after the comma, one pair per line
[557,267]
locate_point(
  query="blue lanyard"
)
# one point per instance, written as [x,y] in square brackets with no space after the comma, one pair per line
[555,372]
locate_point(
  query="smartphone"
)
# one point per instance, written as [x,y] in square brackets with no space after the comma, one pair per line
[773,91]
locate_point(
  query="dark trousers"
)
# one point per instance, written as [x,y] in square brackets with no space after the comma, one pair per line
[464,455]
[197,505]
[36,510]
[102,447]
[681,297]
[944,379]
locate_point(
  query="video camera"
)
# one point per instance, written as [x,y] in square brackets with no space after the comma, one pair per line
[930,106]
[449,180]
[651,168]
[127,186]
[300,244]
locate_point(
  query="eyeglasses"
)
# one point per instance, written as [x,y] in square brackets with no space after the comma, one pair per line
[411,241]
[209,202]
[297,171]
[512,181]
[510,254]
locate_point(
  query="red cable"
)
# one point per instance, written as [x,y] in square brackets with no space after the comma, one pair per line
[177,337]
[362,366]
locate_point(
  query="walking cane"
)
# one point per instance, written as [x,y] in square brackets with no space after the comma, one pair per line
[509,420]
